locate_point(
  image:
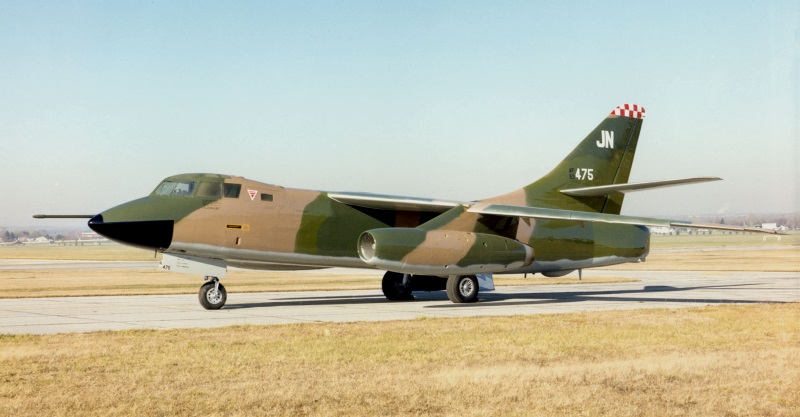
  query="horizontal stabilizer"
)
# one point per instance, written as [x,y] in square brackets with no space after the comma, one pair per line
[554,214]
[390,202]
[633,186]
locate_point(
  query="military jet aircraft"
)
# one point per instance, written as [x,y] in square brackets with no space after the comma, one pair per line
[568,220]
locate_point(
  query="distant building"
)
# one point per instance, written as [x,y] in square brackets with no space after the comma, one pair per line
[91,236]
[769,226]
[41,240]
[662,230]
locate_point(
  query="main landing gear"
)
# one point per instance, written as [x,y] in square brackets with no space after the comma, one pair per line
[460,288]
[397,286]
[212,294]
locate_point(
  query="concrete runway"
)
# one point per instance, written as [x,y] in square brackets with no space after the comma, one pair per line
[656,289]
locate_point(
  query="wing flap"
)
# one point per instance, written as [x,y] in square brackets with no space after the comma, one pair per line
[555,214]
[633,186]
[396,203]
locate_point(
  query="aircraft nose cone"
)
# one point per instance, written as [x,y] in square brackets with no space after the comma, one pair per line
[150,234]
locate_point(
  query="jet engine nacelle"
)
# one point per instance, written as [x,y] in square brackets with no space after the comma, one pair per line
[441,252]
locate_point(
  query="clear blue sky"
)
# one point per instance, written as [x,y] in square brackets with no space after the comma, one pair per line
[462,100]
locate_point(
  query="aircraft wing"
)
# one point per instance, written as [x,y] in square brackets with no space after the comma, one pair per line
[390,202]
[544,213]
[63,216]
[633,186]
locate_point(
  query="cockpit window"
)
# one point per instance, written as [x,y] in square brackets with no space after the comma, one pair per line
[176,188]
[209,189]
[232,190]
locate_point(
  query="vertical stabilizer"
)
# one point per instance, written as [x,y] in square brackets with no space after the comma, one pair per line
[604,157]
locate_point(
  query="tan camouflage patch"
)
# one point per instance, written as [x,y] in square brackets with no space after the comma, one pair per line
[264,223]
[441,248]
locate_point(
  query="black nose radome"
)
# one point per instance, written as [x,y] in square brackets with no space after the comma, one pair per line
[151,234]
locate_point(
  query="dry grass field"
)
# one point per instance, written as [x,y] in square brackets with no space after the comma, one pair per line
[775,260]
[716,361]
[106,252]
[718,252]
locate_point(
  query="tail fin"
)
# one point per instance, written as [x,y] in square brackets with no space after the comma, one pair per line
[604,157]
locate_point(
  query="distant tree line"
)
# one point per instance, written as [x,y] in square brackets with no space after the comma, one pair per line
[9,236]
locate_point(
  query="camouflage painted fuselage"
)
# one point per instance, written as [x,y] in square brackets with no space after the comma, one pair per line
[271,227]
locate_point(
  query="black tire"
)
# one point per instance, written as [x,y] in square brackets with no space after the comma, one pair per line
[393,288]
[209,300]
[462,289]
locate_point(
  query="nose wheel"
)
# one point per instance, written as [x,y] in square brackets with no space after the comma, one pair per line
[212,294]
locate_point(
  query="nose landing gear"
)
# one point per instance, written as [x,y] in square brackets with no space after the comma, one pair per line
[212,294]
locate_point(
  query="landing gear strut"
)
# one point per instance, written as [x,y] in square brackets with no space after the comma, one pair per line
[212,294]
[397,286]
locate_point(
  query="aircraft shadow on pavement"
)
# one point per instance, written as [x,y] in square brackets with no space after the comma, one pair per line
[650,294]
[313,301]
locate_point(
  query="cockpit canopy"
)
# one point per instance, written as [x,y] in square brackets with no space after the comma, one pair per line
[198,185]
[176,188]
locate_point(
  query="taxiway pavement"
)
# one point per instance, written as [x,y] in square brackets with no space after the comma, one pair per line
[655,289]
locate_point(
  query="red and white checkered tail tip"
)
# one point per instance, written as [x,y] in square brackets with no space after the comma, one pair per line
[634,111]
